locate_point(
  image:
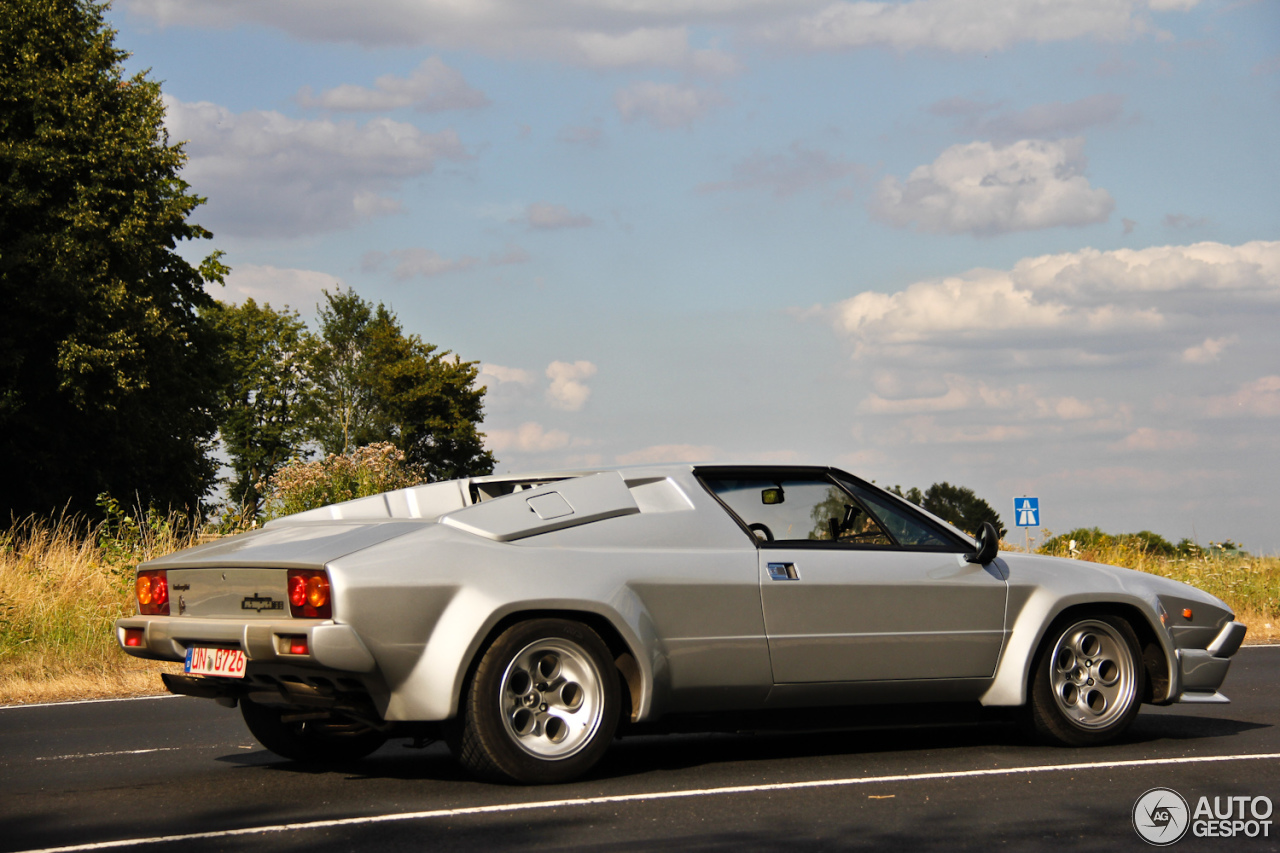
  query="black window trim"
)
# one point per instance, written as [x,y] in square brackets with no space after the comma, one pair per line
[825,472]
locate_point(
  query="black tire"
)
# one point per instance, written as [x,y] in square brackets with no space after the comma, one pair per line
[541,707]
[313,741]
[1087,682]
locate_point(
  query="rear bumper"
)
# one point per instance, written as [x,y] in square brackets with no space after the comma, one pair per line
[1202,671]
[329,645]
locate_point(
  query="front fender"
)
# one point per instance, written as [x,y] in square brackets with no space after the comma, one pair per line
[1042,589]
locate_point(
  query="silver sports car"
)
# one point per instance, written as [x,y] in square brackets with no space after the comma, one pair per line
[527,620]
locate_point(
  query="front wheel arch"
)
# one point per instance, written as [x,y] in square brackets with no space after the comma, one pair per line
[1155,661]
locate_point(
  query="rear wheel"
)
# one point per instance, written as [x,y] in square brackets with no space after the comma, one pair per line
[329,741]
[1086,687]
[542,706]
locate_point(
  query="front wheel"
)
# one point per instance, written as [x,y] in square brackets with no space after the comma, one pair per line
[1086,687]
[309,741]
[542,706]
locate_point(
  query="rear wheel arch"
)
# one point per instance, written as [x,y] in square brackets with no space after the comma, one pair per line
[631,676]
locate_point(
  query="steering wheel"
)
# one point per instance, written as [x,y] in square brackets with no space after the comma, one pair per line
[759,528]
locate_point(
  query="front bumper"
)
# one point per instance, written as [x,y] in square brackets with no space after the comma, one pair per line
[329,645]
[1202,671]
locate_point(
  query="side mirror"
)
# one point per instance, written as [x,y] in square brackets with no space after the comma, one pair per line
[988,545]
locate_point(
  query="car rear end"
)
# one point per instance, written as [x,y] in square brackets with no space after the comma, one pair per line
[258,617]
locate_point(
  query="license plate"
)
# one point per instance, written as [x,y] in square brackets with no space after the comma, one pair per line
[228,663]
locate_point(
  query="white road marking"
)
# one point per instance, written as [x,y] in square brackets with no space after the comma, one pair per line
[656,795]
[102,754]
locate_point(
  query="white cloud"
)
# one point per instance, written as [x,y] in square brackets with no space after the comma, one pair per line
[1183,222]
[413,263]
[1046,120]
[497,373]
[511,255]
[665,105]
[547,217]
[660,453]
[961,25]
[280,286]
[432,87]
[929,429]
[529,437]
[1209,351]
[567,390]
[1258,398]
[1101,303]
[269,175]
[961,393]
[595,34]
[649,46]
[659,33]
[798,169]
[589,136]
[984,189]
[1146,439]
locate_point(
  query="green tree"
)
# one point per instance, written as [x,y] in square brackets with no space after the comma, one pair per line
[374,383]
[340,408]
[912,494]
[107,374]
[262,392]
[960,506]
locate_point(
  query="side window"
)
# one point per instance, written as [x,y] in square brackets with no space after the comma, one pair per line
[910,531]
[800,511]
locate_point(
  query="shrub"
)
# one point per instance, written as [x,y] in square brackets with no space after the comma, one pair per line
[302,485]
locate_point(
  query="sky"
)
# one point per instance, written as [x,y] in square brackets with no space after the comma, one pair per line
[1031,247]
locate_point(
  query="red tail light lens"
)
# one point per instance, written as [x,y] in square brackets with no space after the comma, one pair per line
[297,590]
[152,590]
[298,645]
[309,594]
[133,636]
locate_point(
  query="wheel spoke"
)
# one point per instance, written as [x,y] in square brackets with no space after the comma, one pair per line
[553,698]
[1093,678]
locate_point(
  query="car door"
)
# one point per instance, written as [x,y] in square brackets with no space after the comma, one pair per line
[856,588]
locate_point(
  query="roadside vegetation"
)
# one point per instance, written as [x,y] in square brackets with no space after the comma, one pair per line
[62,585]
[64,582]
[1251,585]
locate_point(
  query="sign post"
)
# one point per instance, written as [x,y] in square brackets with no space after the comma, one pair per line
[1026,514]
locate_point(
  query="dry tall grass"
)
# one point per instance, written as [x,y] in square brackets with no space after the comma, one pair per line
[1250,585]
[61,588]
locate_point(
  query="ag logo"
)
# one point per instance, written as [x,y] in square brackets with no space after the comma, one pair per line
[1160,816]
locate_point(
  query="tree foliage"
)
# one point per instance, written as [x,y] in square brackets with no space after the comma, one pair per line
[107,374]
[956,505]
[374,383]
[265,382]
[1084,539]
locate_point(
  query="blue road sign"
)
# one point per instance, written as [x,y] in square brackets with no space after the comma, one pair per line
[1026,512]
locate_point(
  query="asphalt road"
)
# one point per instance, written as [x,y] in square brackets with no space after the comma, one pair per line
[178,773]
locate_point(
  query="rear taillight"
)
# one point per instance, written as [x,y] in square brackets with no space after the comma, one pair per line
[133,637]
[152,590]
[309,594]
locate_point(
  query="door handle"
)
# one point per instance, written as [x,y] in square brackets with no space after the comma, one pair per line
[783,572]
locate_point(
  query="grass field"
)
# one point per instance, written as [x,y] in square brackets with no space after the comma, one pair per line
[62,587]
